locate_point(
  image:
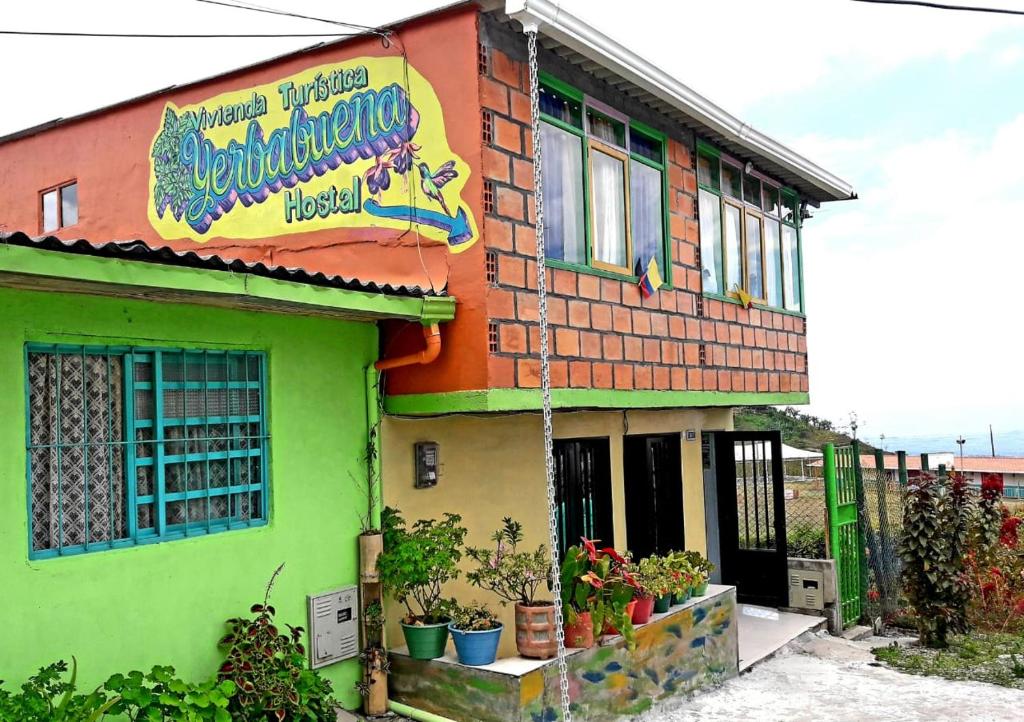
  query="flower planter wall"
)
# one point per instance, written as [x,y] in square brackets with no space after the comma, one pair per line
[690,647]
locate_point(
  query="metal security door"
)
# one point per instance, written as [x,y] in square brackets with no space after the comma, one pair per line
[842,478]
[752,515]
[654,494]
[583,491]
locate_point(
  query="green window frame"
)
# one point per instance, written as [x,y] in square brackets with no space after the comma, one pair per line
[769,216]
[135,445]
[634,145]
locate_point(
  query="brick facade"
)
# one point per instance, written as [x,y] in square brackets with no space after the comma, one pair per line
[604,334]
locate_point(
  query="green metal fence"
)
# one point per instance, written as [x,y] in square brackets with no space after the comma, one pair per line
[843,491]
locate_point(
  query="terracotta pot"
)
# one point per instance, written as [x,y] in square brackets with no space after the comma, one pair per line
[535,630]
[643,610]
[630,608]
[370,547]
[581,634]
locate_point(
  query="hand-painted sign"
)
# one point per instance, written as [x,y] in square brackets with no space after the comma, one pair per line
[316,150]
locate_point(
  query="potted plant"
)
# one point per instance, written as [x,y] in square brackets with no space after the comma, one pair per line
[683,575]
[702,572]
[597,589]
[476,633]
[655,592]
[517,577]
[414,566]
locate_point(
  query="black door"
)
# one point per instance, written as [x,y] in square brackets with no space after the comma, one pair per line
[752,515]
[654,495]
[583,491]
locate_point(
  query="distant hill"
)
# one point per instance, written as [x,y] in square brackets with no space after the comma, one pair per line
[798,429]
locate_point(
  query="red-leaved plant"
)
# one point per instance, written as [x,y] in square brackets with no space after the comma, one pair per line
[269,670]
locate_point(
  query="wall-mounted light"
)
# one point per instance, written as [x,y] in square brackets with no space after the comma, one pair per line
[749,167]
[804,212]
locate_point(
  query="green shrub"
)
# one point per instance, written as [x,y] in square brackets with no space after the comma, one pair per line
[806,542]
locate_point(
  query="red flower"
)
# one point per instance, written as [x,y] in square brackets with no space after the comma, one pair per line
[991,485]
[593,580]
[614,555]
[591,549]
[630,579]
[1008,533]
[1018,608]
[873,595]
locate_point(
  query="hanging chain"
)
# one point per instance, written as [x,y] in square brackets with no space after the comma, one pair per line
[545,379]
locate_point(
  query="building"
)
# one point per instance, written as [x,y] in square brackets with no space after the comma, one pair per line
[380,159]
[1007,471]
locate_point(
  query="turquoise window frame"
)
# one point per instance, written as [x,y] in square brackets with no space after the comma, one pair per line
[563,88]
[128,357]
[705,148]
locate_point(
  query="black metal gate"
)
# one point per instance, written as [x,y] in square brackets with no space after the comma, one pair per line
[752,515]
[654,494]
[583,490]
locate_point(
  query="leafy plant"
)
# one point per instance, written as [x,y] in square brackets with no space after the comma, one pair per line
[416,563]
[269,670]
[46,697]
[513,575]
[933,564]
[160,696]
[654,576]
[598,582]
[473,618]
[806,542]
[684,576]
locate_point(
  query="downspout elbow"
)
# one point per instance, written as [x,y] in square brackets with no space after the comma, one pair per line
[429,354]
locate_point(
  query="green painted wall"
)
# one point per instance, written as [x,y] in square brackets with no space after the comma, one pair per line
[165,603]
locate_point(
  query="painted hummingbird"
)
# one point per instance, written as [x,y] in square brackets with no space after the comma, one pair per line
[433,182]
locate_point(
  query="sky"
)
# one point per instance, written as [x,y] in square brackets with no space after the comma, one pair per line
[913,300]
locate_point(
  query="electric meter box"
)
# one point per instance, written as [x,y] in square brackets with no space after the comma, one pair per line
[806,589]
[333,626]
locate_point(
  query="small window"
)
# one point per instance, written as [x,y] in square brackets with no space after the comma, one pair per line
[752,190]
[606,129]
[645,146]
[755,279]
[562,172]
[128,446]
[608,200]
[60,207]
[707,171]
[731,183]
[561,107]
[770,201]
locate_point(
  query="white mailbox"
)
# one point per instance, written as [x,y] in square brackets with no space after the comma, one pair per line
[333,626]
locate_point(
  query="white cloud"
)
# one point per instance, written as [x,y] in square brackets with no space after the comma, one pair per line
[914,290]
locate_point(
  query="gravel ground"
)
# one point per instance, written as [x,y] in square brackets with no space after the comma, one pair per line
[822,677]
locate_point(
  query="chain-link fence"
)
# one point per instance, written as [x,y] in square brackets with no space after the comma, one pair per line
[806,511]
[881,514]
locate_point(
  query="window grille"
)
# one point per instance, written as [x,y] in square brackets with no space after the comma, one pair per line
[583,490]
[702,355]
[488,197]
[483,59]
[128,446]
[491,265]
[487,127]
[492,337]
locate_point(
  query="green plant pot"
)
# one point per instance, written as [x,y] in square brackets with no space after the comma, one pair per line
[661,604]
[426,641]
[681,598]
[701,589]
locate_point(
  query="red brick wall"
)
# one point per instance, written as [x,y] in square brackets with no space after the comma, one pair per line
[604,334]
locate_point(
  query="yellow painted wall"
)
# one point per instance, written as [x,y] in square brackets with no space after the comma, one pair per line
[493,466]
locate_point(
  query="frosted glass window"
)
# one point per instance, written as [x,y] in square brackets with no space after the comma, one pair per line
[772,263]
[755,279]
[710,242]
[562,169]
[609,199]
[791,269]
[733,236]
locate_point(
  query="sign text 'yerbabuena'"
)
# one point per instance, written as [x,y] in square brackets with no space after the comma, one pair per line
[326,143]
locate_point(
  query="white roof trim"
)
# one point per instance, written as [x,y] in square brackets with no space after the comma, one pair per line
[556,23]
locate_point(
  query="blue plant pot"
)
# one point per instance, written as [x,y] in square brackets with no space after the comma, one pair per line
[476,648]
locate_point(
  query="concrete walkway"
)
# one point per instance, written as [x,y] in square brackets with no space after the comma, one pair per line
[825,678]
[763,631]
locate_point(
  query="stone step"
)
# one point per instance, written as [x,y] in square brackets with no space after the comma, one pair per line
[857,633]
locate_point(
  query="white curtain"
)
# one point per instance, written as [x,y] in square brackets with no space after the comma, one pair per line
[772,264]
[755,280]
[562,171]
[75,426]
[733,249]
[645,215]
[791,268]
[710,241]
[608,184]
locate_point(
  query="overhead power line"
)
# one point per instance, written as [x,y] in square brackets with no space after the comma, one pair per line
[240,5]
[57,34]
[944,6]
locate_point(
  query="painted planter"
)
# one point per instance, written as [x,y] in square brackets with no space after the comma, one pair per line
[662,603]
[476,648]
[644,607]
[701,589]
[370,547]
[535,631]
[609,629]
[425,641]
[581,634]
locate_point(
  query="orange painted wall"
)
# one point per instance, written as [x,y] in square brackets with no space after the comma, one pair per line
[108,154]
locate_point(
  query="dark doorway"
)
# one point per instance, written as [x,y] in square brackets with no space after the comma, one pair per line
[583,491]
[752,515]
[654,495]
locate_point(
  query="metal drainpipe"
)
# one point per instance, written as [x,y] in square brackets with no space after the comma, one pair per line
[432,336]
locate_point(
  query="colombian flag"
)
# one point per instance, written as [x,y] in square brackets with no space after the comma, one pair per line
[651,280]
